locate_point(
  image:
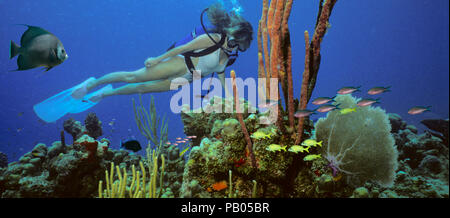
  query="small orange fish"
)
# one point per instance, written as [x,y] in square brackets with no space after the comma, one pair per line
[418,110]
[218,186]
[317,172]
[239,162]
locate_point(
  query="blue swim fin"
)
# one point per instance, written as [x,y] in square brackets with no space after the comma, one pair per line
[63,103]
[56,106]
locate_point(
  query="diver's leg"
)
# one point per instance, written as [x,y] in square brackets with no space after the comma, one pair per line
[163,70]
[145,87]
[135,88]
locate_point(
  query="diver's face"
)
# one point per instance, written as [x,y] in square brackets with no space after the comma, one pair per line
[243,46]
[239,45]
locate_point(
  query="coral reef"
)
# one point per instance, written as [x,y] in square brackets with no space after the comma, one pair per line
[221,151]
[54,171]
[63,170]
[204,126]
[223,148]
[219,166]
[423,170]
[76,171]
[173,170]
[440,127]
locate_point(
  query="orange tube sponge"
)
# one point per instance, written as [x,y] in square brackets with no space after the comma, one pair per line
[286,15]
[290,86]
[322,26]
[304,89]
[265,38]
[241,119]
[261,70]
[270,15]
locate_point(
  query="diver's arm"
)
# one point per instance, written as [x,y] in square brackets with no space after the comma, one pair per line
[201,42]
[221,76]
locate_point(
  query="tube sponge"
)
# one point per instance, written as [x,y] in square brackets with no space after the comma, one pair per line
[358,144]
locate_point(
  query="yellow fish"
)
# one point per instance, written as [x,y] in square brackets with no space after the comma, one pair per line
[184,151]
[312,157]
[337,178]
[312,142]
[348,110]
[260,135]
[37,154]
[299,148]
[276,147]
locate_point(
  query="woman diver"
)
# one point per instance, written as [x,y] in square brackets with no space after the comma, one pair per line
[204,51]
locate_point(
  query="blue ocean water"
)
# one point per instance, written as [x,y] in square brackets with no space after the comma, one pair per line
[403,44]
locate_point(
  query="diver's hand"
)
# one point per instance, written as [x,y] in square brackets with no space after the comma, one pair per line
[151,61]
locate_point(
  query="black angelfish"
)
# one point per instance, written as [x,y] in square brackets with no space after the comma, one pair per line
[38,48]
[132,145]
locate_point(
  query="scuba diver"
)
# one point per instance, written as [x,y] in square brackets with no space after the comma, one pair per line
[206,50]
